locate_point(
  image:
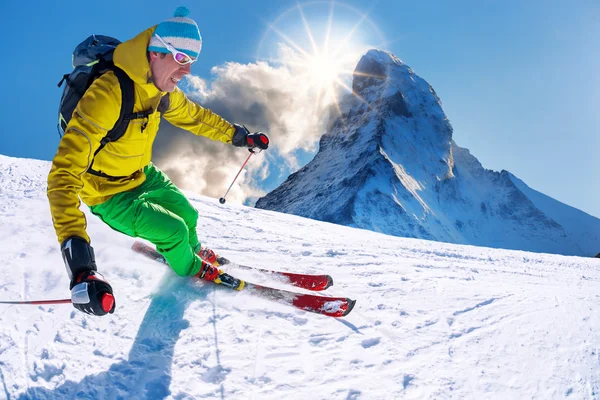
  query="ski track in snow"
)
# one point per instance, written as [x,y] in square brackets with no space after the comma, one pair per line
[432,320]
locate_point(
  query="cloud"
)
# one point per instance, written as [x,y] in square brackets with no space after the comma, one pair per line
[281,101]
[204,166]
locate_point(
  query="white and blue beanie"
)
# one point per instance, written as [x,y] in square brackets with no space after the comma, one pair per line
[180,32]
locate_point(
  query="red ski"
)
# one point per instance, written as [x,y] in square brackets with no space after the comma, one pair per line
[304,281]
[330,306]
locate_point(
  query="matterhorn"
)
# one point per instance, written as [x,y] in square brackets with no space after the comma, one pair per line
[389,164]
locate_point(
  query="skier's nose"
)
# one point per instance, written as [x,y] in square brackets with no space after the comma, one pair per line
[185,69]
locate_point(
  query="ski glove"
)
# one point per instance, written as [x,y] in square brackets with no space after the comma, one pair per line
[90,292]
[78,256]
[255,142]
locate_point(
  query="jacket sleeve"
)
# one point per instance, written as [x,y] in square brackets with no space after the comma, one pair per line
[186,114]
[96,113]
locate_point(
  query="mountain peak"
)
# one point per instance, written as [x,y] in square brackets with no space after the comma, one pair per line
[389,164]
[375,68]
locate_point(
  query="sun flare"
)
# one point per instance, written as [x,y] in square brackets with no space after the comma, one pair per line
[324,70]
[322,54]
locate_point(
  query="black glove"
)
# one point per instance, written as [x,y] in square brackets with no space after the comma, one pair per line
[90,292]
[255,142]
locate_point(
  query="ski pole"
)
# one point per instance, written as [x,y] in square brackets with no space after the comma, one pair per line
[58,301]
[222,199]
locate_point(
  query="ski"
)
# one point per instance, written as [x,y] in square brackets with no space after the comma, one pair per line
[304,281]
[330,306]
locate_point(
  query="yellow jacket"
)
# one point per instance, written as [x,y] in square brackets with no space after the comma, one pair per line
[95,115]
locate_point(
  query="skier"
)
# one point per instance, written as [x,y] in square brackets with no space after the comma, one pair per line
[119,183]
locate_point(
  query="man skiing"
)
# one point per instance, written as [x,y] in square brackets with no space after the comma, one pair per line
[118,182]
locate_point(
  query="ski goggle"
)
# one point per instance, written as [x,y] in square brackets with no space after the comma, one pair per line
[180,57]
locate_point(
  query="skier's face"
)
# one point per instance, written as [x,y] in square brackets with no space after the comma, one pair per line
[166,72]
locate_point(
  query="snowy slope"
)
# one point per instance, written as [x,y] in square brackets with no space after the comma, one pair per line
[389,164]
[432,320]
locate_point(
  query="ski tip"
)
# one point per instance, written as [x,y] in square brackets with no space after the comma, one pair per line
[350,306]
[329,282]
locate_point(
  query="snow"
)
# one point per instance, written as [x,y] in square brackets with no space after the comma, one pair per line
[432,320]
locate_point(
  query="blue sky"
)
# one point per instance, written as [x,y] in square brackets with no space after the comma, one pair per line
[519,80]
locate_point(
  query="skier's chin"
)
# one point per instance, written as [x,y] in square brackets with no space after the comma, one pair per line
[169,86]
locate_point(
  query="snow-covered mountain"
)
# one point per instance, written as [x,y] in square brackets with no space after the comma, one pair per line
[432,320]
[389,164]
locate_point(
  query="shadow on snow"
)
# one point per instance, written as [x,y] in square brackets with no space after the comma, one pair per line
[146,374]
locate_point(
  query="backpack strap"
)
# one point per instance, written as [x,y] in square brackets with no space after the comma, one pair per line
[125,115]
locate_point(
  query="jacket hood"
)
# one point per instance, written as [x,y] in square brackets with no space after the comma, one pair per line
[131,57]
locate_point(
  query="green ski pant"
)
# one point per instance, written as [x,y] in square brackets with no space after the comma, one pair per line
[158,212]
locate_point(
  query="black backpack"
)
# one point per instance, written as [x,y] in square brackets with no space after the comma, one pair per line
[92,58]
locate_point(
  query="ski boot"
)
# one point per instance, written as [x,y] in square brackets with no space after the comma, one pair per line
[209,256]
[211,273]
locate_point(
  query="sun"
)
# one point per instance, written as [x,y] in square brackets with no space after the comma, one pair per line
[321,46]
[323,69]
